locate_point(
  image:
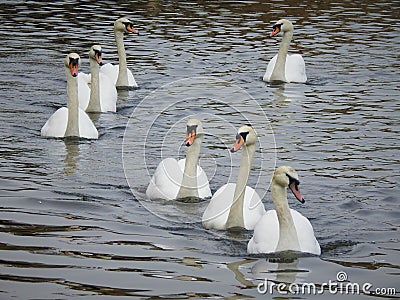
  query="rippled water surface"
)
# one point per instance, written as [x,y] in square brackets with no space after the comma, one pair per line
[72,226]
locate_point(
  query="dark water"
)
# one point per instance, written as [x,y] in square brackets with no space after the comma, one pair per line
[71,225]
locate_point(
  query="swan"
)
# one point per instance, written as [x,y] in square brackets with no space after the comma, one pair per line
[184,178]
[120,74]
[284,67]
[96,92]
[247,207]
[70,121]
[284,229]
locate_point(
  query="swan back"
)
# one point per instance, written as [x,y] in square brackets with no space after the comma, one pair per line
[216,214]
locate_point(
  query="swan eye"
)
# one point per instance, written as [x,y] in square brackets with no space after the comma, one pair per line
[73,62]
[191,129]
[97,53]
[128,25]
[244,135]
[293,180]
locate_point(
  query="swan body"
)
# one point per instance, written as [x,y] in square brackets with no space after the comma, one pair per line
[284,229]
[83,89]
[284,67]
[96,92]
[112,71]
[184,178]
[216,214]
[71,121]
[235,204]
[165,183]
[120,74]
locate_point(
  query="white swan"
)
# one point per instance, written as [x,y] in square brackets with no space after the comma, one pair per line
[284,229]
[247,207]
[184,178]
[284,67]
[96,92]
[120,74]
[71,121]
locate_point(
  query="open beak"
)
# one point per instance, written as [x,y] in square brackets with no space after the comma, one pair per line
[238,143]
[294,187]
[275,31]
[131,29]
[73,68]
[190,136]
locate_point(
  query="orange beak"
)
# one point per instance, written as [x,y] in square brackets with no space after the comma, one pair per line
[99,59]
[294,187]
[238,143]
[131,29]
[275,31]
[190,136]
[73,68]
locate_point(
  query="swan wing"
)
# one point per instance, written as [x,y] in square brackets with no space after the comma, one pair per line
[217,211]
[295,68]
[108,94]
[87,129]
[111,71]
[216,214]
[203,184]
[305,233]
[83,90]
[253,208]
[266,234]
[270,68]
[131,79]
[166,180]
[56,125]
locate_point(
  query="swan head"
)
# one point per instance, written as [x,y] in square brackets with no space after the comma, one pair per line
[71,63]
[194,129]
[245,136]
[95,54]
[124,25]
[282,25]
[287,177]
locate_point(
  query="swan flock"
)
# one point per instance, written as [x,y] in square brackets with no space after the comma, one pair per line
[233,205]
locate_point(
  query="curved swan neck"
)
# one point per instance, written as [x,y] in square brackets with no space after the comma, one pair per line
[94,101]
[122,72]
[235,218]
[73,112]
[278,73]
[288,239]
[189,182]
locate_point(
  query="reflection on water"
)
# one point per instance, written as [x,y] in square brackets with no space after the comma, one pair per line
[70,226]
[72,156]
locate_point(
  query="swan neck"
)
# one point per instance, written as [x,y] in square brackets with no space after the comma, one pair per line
[235,218]
[278,73]
[73,111]
[94,101]
[189,186]
[122,72]
[288,239]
